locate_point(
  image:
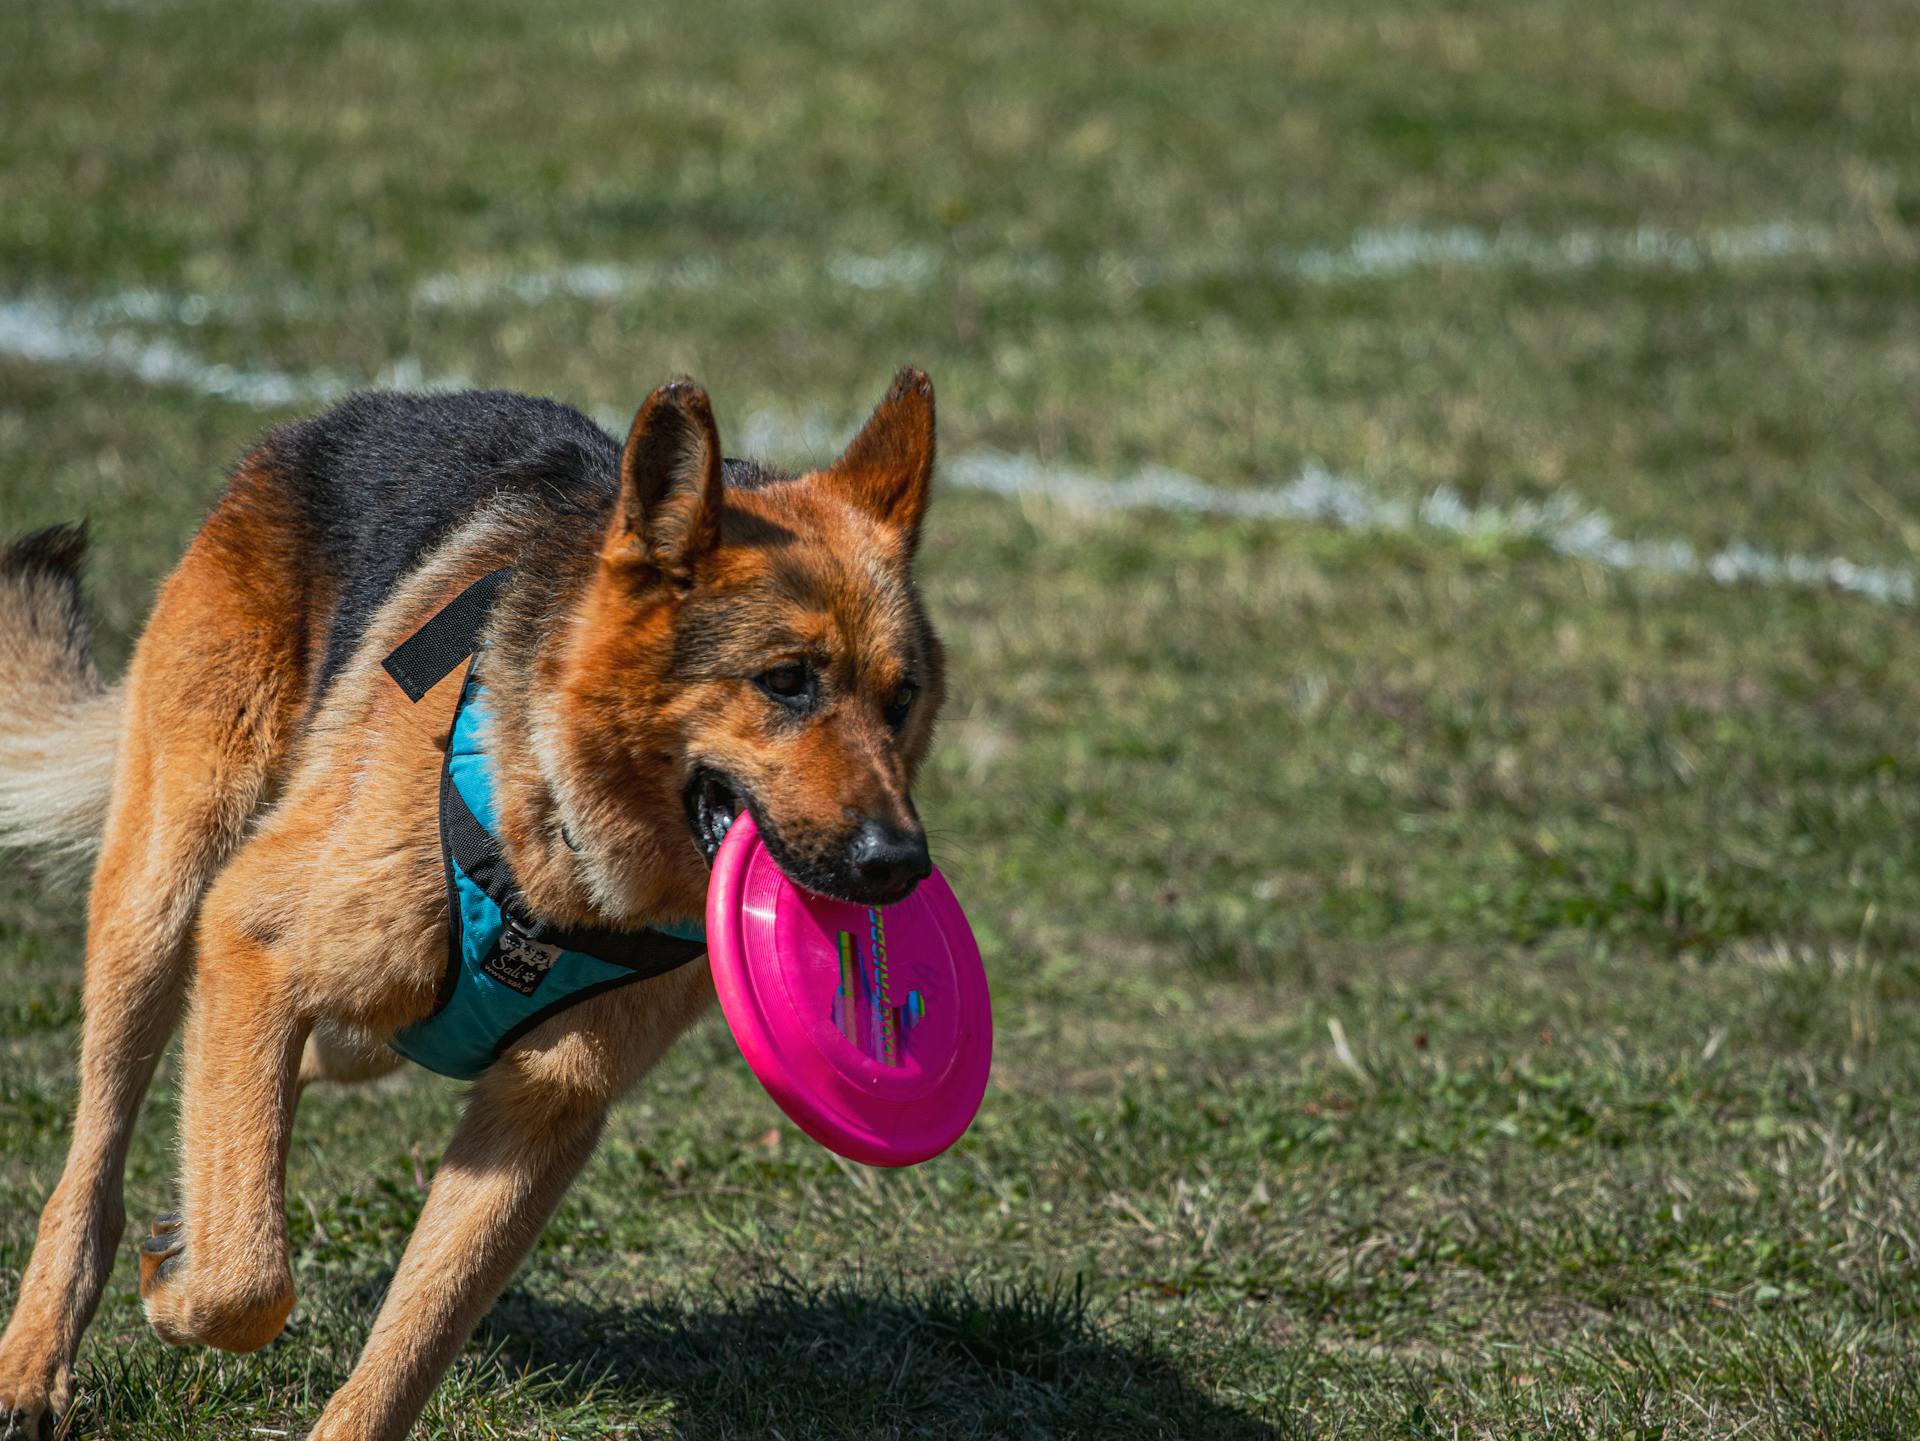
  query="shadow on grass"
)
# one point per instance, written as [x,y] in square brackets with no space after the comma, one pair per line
[864,1359]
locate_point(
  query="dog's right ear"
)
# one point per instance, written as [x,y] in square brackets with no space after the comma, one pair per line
[670,484]
[888,469]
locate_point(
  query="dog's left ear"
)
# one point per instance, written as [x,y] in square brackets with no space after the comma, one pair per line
[670,484]
[888,469]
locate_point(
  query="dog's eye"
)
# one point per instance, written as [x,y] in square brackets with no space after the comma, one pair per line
[792,683]
[901,705]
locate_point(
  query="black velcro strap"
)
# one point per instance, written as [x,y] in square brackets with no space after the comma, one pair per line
[428,656]
[649,953]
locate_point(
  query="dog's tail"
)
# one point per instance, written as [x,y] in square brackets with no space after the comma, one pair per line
[59,724]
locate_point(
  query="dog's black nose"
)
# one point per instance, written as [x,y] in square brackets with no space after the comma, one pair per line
[887,860]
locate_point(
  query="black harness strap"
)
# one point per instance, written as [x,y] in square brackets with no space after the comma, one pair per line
[429,655]
[651,953]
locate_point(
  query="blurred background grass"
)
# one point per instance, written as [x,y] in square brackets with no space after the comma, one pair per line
[1447,986]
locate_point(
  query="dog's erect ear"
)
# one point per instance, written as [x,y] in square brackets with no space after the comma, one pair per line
[670,483]
[888,469]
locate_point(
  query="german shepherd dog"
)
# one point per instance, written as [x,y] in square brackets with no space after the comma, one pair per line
[681,636]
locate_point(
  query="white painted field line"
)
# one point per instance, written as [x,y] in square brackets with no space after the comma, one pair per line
[1563,522]
[1369,254]
[1373,253]
[43,330]
[40,330]
[1395,250]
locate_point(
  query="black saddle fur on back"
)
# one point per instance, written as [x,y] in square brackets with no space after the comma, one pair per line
[384,478]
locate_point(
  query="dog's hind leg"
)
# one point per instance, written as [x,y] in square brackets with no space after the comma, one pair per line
[144,896]
[208,707]
[345,1055]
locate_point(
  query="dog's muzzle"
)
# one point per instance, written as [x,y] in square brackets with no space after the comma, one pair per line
[876,864]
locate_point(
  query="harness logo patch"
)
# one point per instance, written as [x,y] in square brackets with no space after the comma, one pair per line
[519,961]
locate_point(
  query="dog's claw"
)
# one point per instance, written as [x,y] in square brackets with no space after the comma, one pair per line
[159,1252]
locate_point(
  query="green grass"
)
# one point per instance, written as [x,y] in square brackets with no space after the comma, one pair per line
[1445,989]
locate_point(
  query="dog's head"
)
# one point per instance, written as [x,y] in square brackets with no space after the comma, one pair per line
[761,646]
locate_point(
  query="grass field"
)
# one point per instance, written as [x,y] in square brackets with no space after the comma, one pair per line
[1451,981]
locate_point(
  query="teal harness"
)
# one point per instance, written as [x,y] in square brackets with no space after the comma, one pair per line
[507,971]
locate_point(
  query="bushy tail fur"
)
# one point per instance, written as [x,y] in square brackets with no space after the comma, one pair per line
[59,724]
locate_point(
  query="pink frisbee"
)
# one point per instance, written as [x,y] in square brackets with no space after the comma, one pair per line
[871,1027]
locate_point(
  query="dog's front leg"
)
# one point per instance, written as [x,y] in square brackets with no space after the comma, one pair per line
[219,1275]
[517,1150]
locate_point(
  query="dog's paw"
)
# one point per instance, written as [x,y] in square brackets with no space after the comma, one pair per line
[162,1260]
[192,1303]
[32,1393]
[32,1422]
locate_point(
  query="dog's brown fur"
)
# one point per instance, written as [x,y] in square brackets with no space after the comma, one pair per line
[278,847]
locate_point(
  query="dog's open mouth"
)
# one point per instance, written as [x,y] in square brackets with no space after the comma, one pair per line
[715,800]
[713,803]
